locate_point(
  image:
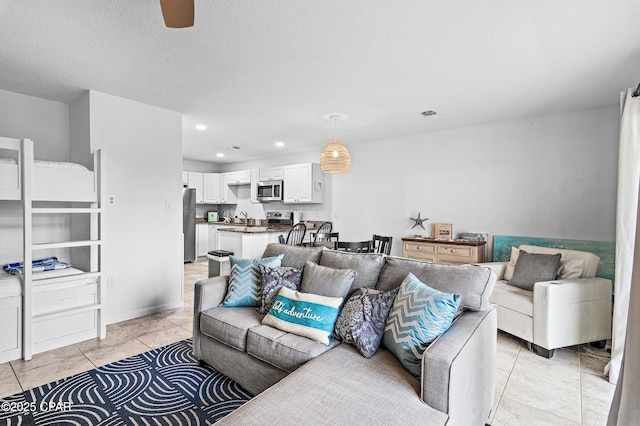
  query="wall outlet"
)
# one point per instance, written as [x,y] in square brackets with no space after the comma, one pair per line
[167,206]
[111,200]
[111,283]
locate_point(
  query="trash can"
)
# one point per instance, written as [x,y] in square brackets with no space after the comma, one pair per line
[219,263]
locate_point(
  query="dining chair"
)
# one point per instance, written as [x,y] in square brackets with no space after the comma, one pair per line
[381,244]
[353,246]
[323,237]
[296,234]
[325,228]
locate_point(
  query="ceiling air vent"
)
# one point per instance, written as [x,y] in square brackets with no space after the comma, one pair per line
[428,113]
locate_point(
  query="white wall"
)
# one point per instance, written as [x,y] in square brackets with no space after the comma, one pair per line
[142,146]
[47,124]
[547,176]
[550,176]
[199,166]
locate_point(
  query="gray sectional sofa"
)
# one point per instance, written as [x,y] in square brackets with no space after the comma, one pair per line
[299,381]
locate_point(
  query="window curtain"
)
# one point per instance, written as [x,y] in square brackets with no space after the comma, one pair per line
[624,368]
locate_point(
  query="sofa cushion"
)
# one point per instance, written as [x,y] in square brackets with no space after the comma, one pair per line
[419,315]
[363,317]
[281,349]
[304,314]
[229,325]
[245,281]
[342,388]
[473,283]
[570,269]
[513,298]
[294,256]
[534,267]
[367,265]
[273,279]
[326,281]
[508,272]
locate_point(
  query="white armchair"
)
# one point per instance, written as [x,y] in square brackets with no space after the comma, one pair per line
[557,313]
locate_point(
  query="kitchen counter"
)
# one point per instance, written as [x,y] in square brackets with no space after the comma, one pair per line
[256,229]
[200,221]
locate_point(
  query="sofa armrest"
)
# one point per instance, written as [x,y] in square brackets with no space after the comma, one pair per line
[571,312]
[209,293]
[458,369]
[498,268]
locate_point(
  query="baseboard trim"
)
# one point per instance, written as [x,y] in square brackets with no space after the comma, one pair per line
[146,311]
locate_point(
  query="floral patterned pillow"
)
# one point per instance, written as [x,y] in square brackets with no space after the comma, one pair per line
[273,279]
[362,319]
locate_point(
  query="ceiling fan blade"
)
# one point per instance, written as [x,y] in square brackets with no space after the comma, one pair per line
[177,13]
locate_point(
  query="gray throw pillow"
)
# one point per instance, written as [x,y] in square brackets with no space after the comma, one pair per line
[534,267]
[325,281]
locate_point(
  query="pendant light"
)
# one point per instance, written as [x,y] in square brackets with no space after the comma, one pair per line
[335,157]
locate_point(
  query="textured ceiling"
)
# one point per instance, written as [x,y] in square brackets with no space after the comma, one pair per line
[258,71]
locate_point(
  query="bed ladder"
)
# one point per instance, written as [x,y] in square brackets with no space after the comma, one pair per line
[94,262]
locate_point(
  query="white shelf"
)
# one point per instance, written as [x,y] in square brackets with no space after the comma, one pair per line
[66,244]
[56,210]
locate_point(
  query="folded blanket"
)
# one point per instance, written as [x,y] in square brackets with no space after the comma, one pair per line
[38,265]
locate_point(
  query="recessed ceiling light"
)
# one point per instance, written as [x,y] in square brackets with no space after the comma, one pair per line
[220,155]
[280,144]
[201,127]
[233,147]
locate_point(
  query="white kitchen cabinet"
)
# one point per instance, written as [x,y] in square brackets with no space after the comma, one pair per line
[211,183]
[202,239]
[303,183]
[274,173]
[228,194]
[214,235]
[253,196]
[242,177]
[196,182]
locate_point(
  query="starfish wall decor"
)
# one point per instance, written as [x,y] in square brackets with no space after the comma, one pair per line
[418,221]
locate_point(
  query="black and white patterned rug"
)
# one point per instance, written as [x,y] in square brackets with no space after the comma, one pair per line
[165,386]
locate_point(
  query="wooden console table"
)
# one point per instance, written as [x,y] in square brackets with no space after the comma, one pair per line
[440,251]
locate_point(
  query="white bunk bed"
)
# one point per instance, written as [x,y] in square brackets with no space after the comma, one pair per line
[46,310]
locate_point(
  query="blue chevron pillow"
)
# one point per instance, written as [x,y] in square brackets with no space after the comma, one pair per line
[419,315]
[245,281]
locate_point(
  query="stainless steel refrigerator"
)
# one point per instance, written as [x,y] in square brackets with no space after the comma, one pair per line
[189,223]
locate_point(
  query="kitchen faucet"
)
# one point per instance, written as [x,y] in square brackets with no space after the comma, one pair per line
[245,214]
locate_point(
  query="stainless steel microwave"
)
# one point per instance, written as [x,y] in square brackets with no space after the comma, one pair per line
[270,191]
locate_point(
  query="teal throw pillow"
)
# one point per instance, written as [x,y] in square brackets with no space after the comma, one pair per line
[419,315]
[245,281]
[305,314]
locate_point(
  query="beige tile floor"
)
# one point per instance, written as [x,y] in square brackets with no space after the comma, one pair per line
[568,389]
